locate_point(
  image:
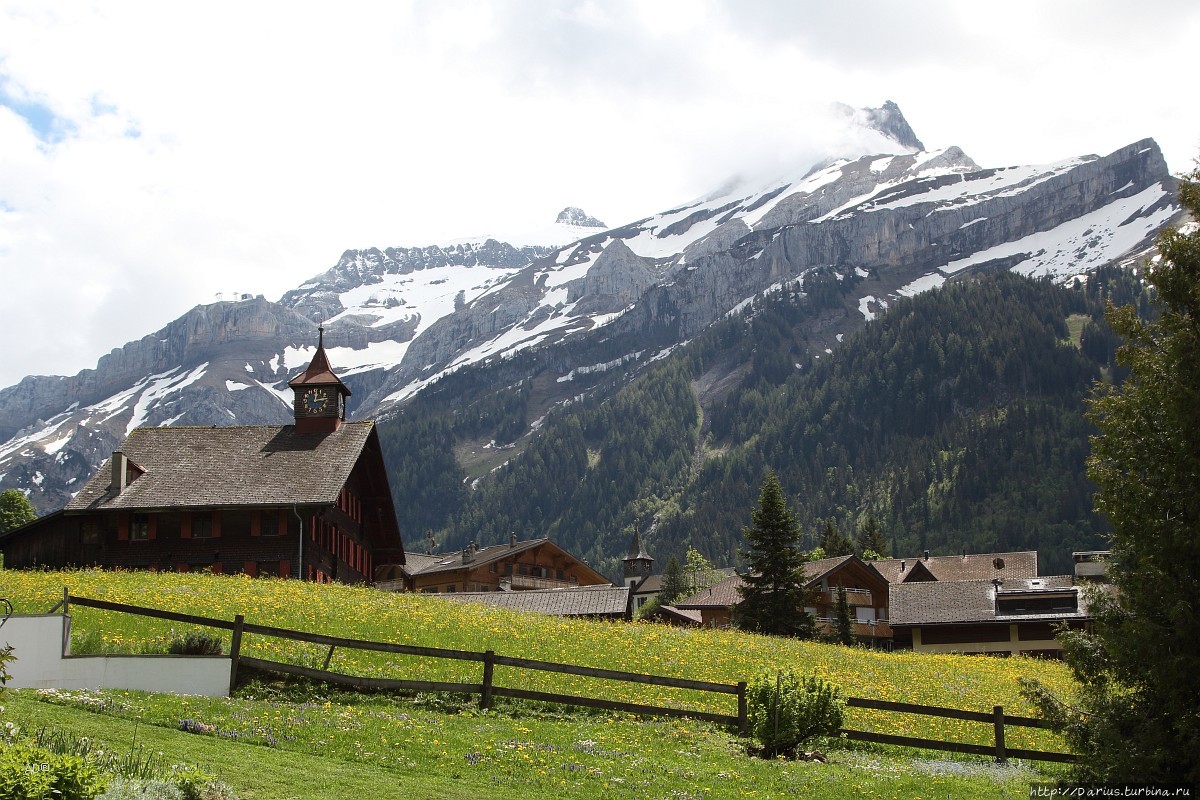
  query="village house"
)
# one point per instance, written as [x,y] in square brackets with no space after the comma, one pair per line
[866,590]
[995,617]
[308,500]
[515,566]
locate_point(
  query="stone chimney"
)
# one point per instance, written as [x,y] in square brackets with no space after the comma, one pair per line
[468,553]
[512,539]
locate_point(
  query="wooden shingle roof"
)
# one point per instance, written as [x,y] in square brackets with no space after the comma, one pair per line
[949,602]
[582,601]
[213,467]
[972,566]
[426,564]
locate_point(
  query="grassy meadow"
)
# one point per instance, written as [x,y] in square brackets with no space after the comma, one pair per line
[522,749]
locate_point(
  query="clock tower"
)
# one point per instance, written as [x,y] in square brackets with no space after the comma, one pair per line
[320,396]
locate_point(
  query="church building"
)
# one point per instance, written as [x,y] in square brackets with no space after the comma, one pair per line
[308,500]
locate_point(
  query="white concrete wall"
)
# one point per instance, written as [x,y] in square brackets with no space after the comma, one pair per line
[40,640]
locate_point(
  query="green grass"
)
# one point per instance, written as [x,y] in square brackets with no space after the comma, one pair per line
[388,740]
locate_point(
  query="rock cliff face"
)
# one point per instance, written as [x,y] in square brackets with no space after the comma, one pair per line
[398,318]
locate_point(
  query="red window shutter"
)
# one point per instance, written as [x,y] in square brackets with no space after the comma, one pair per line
[250,568]
[185,526]
[216,524]
[152,527]
[285,569]
[256,523]
[216,568]
[283,524]
[122,527]
[182,568]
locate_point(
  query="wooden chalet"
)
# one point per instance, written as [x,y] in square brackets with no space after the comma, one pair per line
[866,593]
[308,500]
[516,566]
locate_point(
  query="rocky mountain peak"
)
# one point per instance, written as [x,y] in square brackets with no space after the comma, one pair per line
[887,119]
[578,217]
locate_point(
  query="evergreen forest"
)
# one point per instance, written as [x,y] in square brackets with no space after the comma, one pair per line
[954,421]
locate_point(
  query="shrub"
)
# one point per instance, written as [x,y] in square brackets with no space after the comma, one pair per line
[787,710]
[195,643]
[28,772]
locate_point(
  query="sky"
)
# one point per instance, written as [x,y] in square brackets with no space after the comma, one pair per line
[153,155]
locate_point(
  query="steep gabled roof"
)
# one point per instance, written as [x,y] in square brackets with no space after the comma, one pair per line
[236,466]
[456,561]
[581,601]
[971,566]
[425,564]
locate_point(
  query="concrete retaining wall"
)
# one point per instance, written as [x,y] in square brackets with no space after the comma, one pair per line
[41,644]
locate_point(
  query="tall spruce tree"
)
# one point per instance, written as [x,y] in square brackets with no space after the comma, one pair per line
[1138,715]
[872,543]
[774,594]
[674,583]
[834,542]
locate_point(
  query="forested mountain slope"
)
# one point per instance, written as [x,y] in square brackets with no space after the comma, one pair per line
[955,419]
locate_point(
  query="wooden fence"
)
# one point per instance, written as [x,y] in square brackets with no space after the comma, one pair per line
[488,690]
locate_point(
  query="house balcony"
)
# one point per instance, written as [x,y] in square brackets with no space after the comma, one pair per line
[854,597]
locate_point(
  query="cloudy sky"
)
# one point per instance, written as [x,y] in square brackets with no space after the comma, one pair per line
[154,154]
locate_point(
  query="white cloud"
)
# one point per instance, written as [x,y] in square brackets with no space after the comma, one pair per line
[178,151]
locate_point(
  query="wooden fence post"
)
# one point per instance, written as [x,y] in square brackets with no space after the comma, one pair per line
[66,601]
[743,716]
[998,715]
[328,658]
[489,666]
[235,651]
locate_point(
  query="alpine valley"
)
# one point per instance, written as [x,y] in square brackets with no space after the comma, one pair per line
[902,334]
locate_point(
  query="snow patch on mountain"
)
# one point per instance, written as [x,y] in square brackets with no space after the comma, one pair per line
[1082,243]
[156,389]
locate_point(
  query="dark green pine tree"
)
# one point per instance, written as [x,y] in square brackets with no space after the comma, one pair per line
[674,583]
[834,542]
[871,542]
[774,594]
[1138,714]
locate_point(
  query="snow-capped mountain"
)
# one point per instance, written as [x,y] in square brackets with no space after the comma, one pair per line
[401,318]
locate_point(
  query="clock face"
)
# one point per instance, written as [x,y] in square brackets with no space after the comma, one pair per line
[318,401]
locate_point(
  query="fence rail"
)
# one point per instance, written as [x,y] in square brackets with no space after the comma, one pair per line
[487,689]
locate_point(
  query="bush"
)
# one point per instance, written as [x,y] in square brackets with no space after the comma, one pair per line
[195,643]
[787,710]
[28,772]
